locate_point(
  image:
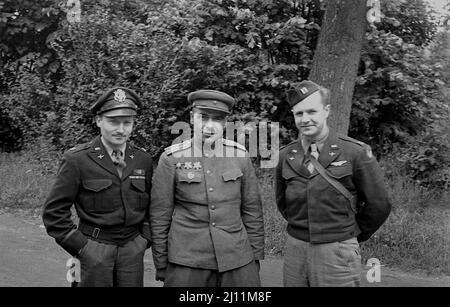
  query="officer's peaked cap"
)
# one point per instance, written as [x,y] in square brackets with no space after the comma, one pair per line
[117,101]
[210,99]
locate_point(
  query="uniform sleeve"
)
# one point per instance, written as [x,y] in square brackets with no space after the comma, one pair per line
[372,191]
[280,188]
[57,209]
[145,228]
[251,210]
[161,209]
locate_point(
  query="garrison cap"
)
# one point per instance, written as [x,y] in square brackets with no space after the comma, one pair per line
[214,100]
[300,91]
[117,101]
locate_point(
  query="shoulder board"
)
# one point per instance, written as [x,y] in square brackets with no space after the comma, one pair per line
[234,144]
[80,147]
[138,148]
[352,140]
[288,144]
[177,147]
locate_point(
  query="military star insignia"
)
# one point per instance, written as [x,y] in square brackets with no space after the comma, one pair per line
[100,157]
[291,158]
[197,165]
[332,154]
[188,165]
[132,157]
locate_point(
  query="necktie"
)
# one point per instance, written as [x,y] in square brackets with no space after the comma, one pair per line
[315,154]
[117,158]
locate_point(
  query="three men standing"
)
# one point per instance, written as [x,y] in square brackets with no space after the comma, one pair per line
[109,181]
[330,189]
[206,214]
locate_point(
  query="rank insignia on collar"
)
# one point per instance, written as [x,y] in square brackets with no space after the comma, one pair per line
[334,146]
[97,148]
[178,165]
[294,150]
[188,165]
[100,157]
[131,157]
[197,166]
[332,154]
[291,158]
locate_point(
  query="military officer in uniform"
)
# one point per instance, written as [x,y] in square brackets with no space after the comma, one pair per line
[206,215]
[109,182]
[330,189]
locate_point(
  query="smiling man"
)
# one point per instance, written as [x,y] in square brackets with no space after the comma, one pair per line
[109,182]
[206,213]
[330,189]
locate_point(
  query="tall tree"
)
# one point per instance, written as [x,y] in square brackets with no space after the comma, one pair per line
[335,63]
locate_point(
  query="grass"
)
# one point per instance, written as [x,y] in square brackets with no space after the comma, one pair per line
[416,235]
[25,181]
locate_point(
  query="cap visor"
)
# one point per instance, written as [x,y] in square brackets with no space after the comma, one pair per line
[119,112]
[212,108]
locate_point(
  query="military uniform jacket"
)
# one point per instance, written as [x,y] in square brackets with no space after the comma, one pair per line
[317,212]
[88,178]
[206,212]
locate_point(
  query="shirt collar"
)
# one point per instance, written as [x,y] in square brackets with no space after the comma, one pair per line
[307,143]
[109,149]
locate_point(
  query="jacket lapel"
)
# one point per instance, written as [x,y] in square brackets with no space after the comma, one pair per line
[130,160]
[330,150]
[295,158]
[100,156]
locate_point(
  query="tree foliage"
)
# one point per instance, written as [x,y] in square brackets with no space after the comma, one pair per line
[53,70]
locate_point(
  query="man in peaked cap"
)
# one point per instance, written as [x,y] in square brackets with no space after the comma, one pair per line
[330,189]
[109,182]
[206,215]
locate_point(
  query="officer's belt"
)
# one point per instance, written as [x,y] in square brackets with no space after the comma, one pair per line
[336,184]
[116,234]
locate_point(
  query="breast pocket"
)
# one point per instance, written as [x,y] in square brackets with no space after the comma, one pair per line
[97,195]
[139,197]
[190,187]
[232,184]
[343,174]
[189,177]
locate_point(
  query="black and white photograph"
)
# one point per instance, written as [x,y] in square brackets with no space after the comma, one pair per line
[226,149]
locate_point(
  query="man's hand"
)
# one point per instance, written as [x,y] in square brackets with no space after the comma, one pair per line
[160,274]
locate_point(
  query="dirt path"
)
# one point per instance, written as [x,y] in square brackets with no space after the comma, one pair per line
[29,257]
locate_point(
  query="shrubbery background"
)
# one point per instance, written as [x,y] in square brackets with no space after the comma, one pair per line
[53,70]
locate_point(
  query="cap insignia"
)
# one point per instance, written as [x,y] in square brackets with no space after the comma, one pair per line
[120,96]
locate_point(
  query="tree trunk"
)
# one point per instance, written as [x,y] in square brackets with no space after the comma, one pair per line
[337,55]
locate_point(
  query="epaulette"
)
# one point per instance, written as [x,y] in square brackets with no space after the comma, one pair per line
[177,147]
[352,140]
[138,148]
[234,144]
[288,144]
[367,149]
[80,147]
